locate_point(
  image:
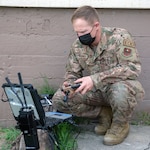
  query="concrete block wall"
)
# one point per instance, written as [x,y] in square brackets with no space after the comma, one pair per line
[36,42]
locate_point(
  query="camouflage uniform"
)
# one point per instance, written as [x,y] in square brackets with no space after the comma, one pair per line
[113,66]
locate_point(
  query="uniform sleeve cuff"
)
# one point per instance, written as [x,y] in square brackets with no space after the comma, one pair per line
[96,81]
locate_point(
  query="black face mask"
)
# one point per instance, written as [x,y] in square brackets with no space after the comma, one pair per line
[86,39]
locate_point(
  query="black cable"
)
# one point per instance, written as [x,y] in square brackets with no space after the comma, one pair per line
[2,99]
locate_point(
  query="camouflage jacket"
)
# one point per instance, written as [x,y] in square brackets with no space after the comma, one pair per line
[114,59]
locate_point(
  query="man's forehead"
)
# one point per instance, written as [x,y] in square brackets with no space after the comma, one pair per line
[80,25]
[80,22]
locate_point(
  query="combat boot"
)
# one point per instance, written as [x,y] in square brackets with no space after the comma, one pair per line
[116,134]
[105,119]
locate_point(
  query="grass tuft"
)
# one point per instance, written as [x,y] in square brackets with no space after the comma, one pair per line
[141,118]
[65,135]
[9,135]
[46,88]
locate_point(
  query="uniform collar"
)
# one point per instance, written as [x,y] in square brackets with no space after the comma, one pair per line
[102,45]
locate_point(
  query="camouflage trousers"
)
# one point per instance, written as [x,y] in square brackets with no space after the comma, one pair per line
[122,97]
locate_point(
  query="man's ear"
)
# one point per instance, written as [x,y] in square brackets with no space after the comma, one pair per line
[97,24]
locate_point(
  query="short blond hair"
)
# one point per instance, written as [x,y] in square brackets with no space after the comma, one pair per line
[88,13]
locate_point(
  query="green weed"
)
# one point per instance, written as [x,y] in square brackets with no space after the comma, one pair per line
[46,88]
[9,135]
[141,118]
[65,135]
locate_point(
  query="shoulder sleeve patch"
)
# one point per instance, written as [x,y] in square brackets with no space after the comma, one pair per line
[128,53]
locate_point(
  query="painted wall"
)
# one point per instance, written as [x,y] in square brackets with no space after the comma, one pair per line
[36,42]
[131,4]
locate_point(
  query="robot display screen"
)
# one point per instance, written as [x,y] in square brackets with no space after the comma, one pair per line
[17,101]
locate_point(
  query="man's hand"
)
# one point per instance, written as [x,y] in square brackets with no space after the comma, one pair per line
[66,89]
[69,90]
[86,84]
